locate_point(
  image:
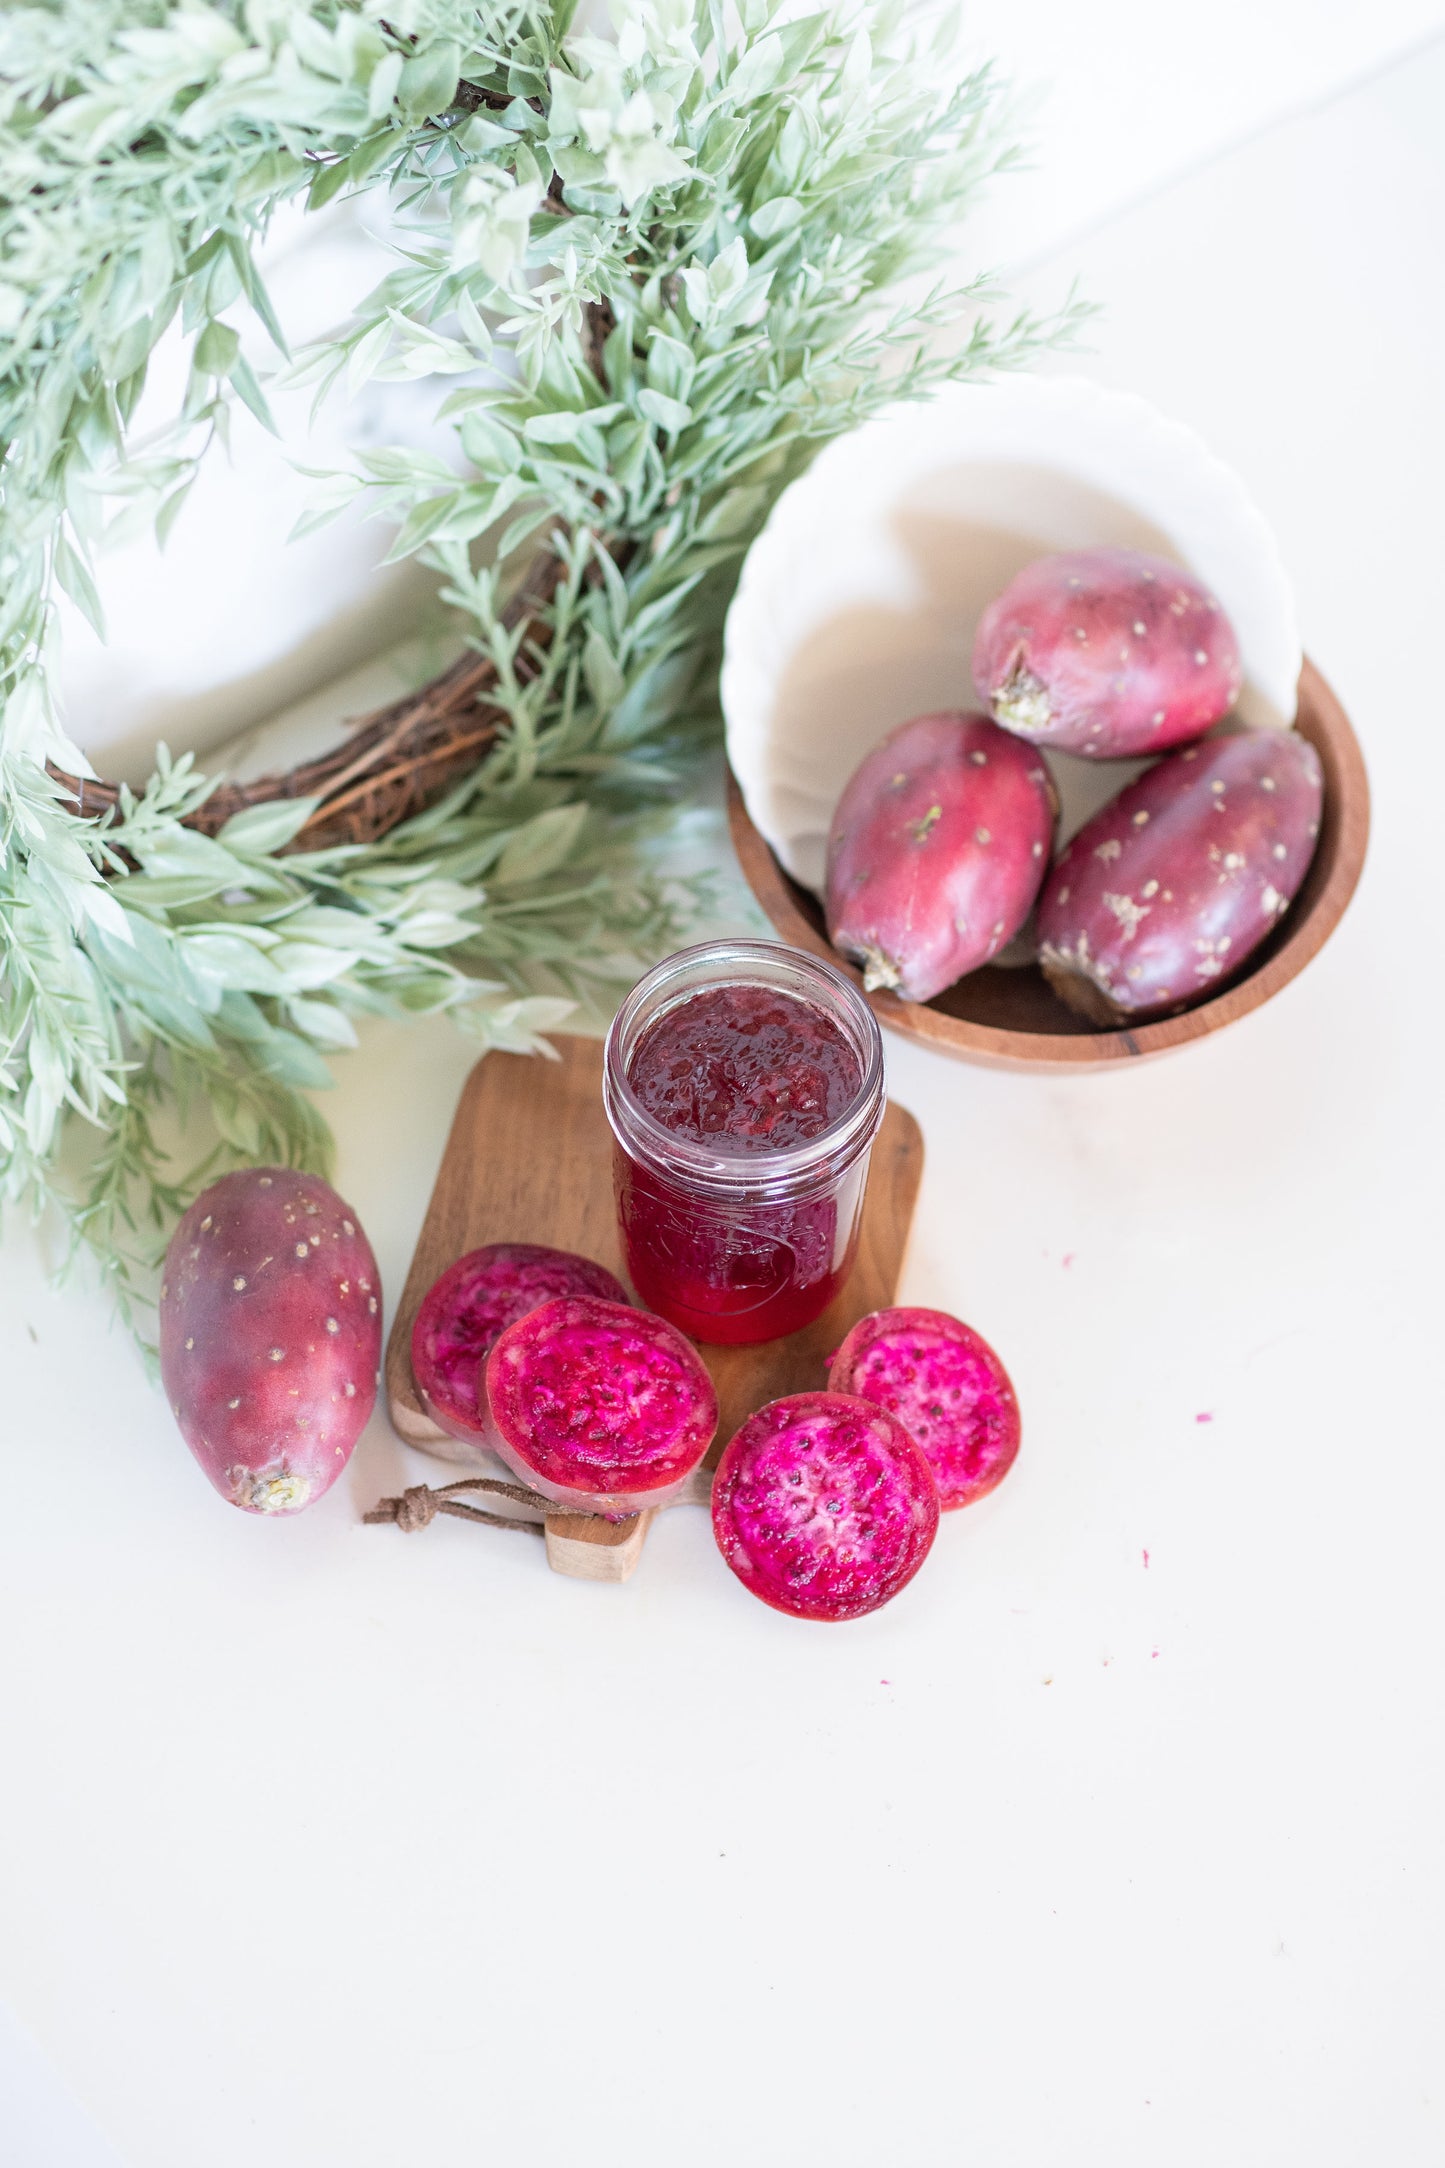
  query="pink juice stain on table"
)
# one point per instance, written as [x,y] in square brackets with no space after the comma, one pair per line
[745,1071]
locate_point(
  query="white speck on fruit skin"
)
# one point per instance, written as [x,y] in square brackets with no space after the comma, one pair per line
[238,1285]
[371,1304]
[278,1354]
[346,1287]
[1038,850]
[981,835]
[1150,888]
[998,929]
[1063,895]
[1272,899]
[205,1223]
[189,1345]
[350,1229]
[302,1250]
[1191,754]
[349,1389]
[1266,782]
[1139,628]
[1158,717]
[1280,851]
[1080,634]
[1201,655]
[1127,912]
[1233,860]
[233,1404]
[1107,851]
[980,760]
[1140,818]
[1217,787]
[331,1325]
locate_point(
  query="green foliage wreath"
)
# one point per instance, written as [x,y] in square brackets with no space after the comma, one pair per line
[659,270]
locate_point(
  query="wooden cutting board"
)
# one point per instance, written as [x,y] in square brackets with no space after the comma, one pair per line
[529,1159]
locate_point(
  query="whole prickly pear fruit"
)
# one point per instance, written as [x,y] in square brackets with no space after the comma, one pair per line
[1106,652]
[936,852]
[1173,884]
[270,1319]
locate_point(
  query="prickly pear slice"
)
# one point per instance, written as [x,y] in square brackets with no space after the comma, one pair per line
[599,1407]
[270,1331]
[936,852]
[824,1506]
[1106,652]
[465,1312]
[945,1385]
[1171,887]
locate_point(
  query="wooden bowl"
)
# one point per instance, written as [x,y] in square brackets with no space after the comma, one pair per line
[1012,1019]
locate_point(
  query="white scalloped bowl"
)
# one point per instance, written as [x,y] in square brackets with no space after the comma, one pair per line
[857,604]
[856,609]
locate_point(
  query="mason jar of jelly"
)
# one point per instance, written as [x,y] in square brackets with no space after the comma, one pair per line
[744,1086]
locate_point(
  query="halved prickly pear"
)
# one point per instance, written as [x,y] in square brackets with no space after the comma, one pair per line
[1106,652]
[945,1385]
[270,1331]
[601,1408]
[824,1506]
[1171,887]
[465,1312]
[936,852]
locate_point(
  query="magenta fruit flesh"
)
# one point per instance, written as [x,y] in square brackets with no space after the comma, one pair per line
[1106,652]
[936,852]
[466,1311]
[945,1385]
[601,1408]
[1173,885]
[824,1506]
[270,1332]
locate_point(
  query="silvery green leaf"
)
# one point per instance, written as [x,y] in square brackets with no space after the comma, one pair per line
[323,1023]
[757,71]
[541,846]
[605,681]
[74,576]
[260,830]
[779,215]
[667,413]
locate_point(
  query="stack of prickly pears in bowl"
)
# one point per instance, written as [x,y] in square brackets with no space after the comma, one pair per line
[1019,728]
[941,844]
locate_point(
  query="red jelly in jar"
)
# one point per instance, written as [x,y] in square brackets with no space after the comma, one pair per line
[744,1085]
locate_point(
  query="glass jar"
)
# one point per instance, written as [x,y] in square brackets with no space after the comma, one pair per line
[731,1235]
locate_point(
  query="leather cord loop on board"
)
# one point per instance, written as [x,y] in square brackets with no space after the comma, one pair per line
[419,1506]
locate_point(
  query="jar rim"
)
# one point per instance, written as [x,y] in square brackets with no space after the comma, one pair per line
[744,962]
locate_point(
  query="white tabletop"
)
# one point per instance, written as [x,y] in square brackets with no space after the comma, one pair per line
[1116,1839]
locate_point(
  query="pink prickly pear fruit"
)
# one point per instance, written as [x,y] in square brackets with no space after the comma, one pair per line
[465,1312]
[270,1330]
[936,852]
[601,1408]
[945,1385]
[824,1506]
[1106,652]
[1172,886]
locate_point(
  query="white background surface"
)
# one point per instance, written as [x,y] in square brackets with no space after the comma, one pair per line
[322,1847]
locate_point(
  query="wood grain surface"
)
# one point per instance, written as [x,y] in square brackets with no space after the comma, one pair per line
[1012,1019]
[529,1159]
